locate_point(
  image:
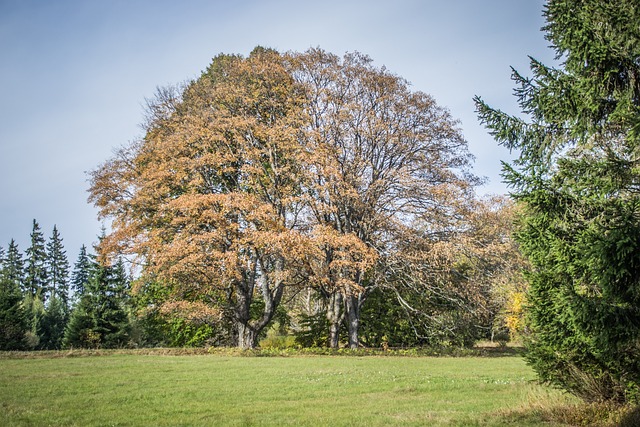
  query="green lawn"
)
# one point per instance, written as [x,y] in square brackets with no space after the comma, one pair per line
[207,390]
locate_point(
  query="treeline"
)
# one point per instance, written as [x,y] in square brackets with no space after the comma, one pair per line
[312,198]
[46,305]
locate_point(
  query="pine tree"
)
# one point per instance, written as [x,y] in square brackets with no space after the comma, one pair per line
[13,321]
[577,178]
[52,324]
[113,322]
[34,310]
[36,270]
[100,318]
[56,313]
[80,330]
[14,265]
[82,270]
[58,269]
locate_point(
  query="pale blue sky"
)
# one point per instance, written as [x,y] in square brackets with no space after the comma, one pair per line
[74,75]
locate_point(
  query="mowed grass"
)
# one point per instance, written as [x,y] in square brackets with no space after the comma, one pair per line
[214,390]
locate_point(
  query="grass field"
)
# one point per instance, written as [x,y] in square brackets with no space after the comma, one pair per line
[209,390]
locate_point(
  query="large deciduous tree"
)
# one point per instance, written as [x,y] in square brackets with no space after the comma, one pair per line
[209,198]
[274,170]
[578,179]
[382,158]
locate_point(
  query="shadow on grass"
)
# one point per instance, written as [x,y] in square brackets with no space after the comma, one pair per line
[631,418]
[593,415]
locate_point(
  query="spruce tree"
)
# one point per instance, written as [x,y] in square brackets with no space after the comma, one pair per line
[14,265]
[100,318]
[577,178]
[58,269]
[35,283]
[80,330]
[34,312]
[52,324]
[56,314]
[113,321]
[13,321]
[81,273]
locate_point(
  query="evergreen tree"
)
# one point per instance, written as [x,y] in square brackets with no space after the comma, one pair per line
[113,321]
[36,269]
[14,265]
[56,313]
[52,324]
[80,330]
[577,178]
[121,281]
[81,272]
[58,269]
[34,312]
[100,319]
[13,321]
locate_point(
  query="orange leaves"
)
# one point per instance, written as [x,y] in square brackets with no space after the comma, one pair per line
[196,312]
[287,170]
[340,259]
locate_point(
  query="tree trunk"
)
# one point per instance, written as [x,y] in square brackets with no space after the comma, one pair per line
[334,316]
[242,316]
[247,337]
[249,329]
[352,308]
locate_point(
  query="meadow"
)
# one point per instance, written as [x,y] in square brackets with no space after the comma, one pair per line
[131,389]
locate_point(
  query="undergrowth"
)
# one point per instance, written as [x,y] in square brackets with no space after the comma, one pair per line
[270,352]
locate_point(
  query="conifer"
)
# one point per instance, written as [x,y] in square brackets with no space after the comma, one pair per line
[58,269]
[13,321]
[577,178]
[81,273]
[14,264]
[36,283]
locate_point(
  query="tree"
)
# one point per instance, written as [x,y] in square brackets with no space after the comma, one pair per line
[13,321]
[36,277]
[161,321]
[14,265]
[100,318]
[382,157]
[577,178]
[58,269]
[275,170]
[34,310]
[209,198]
[81,273]
[53,319]
[52,324]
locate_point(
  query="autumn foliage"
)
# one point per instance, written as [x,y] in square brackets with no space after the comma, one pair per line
[275,173]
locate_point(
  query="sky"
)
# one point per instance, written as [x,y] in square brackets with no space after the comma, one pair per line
[74,76]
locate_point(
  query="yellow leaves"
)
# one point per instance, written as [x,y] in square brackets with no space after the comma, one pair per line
[514,313]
